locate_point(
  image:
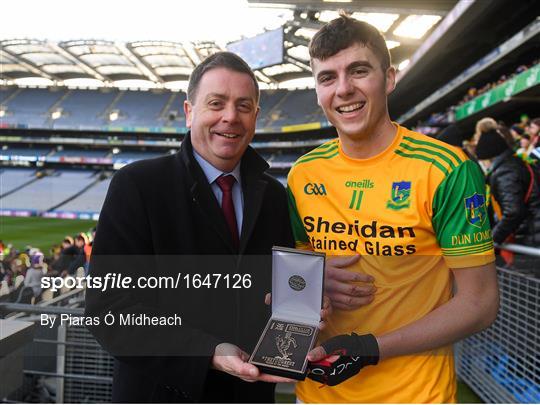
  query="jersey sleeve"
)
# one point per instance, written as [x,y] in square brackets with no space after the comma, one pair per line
[460,218]
[300,236]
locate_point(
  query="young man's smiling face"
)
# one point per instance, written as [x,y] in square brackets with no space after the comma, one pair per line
[352,89]
[222,116]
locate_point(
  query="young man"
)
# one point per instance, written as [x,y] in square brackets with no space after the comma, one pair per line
[209,210]
[414,209]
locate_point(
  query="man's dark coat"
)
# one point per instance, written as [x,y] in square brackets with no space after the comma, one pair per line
[160,218]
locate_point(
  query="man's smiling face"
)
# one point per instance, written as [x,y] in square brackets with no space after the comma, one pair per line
[222,116]
[352,90]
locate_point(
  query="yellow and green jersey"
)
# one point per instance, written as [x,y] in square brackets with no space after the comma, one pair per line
[413,212]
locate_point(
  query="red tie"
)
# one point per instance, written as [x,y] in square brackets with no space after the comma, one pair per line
[226,183]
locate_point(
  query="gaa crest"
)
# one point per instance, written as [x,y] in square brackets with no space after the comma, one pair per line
[475,210]
[400,195]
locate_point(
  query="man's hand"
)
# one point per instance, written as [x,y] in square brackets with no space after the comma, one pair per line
[341,287]
[232,360]
[326,310]
[342,357]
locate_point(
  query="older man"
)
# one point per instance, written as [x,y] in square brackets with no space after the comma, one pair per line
[210,210]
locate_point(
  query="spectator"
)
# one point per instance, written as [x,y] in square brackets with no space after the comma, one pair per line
[534,148]
[524,142]
[507,135]
[67,255]
[79,258]
[517,132]
[484,125]
[88,250]
[523,121]
[515,193]
[34,275]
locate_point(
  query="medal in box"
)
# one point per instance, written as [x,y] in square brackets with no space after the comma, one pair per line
[297,296]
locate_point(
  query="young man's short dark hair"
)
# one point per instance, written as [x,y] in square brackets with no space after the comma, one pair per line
[343,32]
[227,60]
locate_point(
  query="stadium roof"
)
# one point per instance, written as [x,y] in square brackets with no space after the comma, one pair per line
[405,24]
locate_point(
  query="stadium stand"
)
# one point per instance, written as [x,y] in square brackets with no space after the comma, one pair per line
[140,108]
[90,109]
[30,106]
[173,112]
[6,93]
[270,100]
[49,191]
[133,156]
[294,105]
[14,151]
[12,179]
[84,109]
[80,153]
[91,200]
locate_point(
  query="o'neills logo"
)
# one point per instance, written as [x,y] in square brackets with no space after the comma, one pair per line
[370,230]
[297,283]
[366,183]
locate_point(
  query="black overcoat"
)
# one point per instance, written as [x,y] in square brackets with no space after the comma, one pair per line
[160,218]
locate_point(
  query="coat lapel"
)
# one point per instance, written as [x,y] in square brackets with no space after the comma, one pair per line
[253,199]
[204,198]
[202,195]
[253,189]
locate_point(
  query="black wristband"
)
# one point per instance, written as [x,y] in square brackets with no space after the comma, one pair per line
[355,352]
[354,345]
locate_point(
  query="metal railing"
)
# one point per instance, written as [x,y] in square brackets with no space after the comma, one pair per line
[502,363]
[77,369]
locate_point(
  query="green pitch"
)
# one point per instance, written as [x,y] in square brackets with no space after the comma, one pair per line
[38,232]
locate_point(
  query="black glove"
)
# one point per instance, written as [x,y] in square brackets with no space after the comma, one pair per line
[355,352]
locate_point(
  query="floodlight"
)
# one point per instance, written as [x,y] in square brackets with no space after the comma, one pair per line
[403,64]
[327,16]
[299,52]
[392,44]
[56,114]
[113,115]
[415,26]
[381,21]
[305,32]
[299,83]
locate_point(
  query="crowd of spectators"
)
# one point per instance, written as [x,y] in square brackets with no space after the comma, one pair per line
[21,271]
[474,92]
[441,119]
[510,159]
